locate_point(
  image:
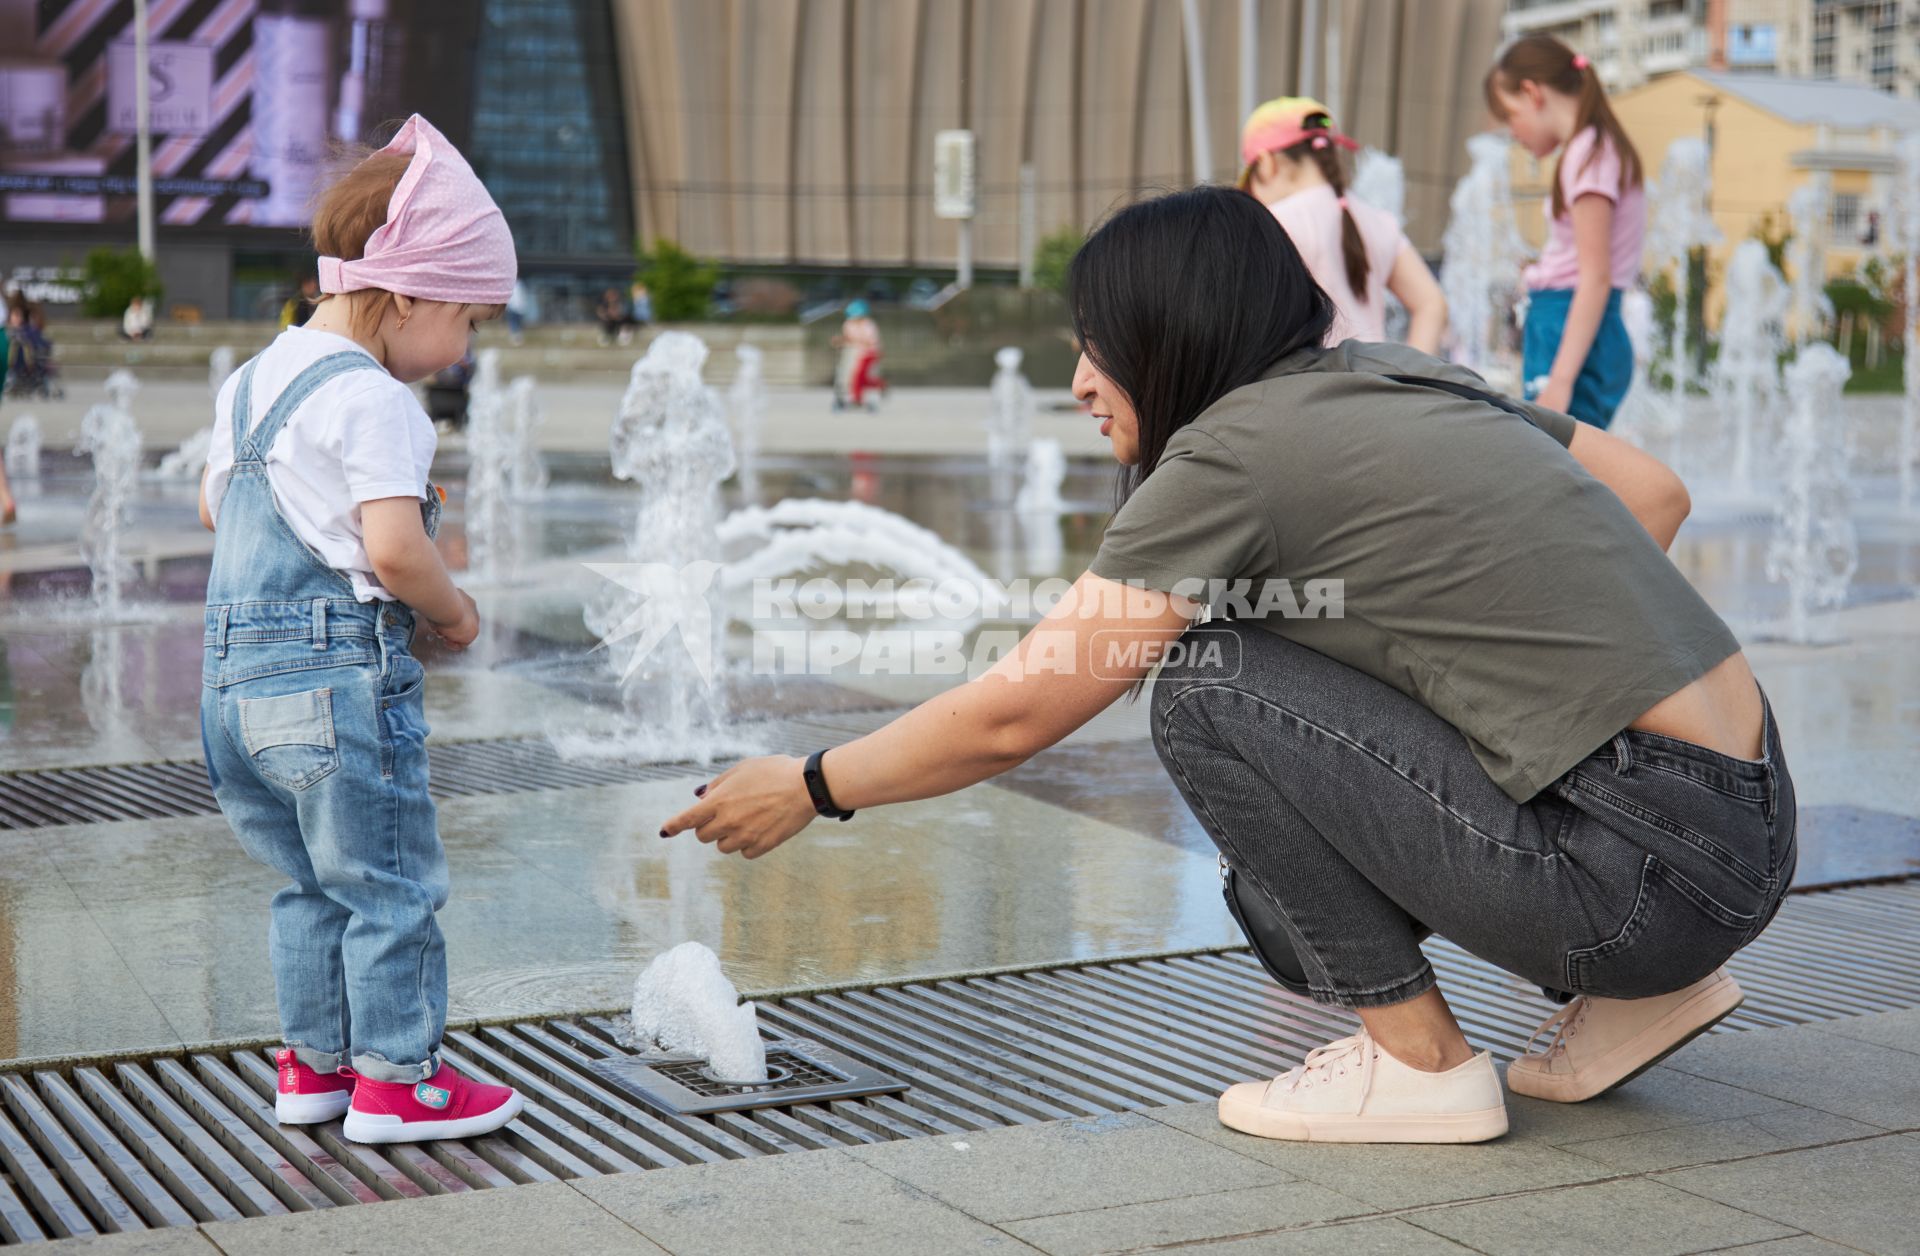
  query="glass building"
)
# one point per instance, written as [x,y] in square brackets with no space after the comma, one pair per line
[549,141]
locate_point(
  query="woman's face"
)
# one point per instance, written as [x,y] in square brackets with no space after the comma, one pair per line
[1118,422]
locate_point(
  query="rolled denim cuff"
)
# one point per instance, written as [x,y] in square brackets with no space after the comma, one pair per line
[375,1069]
[325,1063]
[1399,992]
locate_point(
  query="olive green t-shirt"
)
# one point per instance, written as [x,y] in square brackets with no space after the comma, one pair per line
[1481,570]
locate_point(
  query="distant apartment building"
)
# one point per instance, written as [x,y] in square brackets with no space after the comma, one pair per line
[1876,42]
[1628,41]
[1873,42]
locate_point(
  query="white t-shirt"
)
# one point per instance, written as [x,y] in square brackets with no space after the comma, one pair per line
[359,437]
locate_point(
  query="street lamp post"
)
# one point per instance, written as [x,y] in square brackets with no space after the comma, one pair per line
[143,130]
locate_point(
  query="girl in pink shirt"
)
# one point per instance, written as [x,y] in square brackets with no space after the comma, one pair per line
[1355,252]
[1577,357]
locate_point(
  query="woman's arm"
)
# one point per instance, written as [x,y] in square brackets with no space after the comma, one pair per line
[1593,244]
[409,567]
[1655,495]
[206,516]
[1419,291]
[1096,644]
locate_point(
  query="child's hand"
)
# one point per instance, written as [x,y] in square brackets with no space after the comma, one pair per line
[460,633]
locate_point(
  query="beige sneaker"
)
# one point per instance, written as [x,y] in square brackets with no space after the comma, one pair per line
[1602,1043]
[1351,1091]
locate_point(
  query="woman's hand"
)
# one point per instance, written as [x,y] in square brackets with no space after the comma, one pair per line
[750,808]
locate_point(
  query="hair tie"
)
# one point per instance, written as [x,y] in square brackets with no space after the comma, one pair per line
[1341,200]
[1319,141]
[1580,62]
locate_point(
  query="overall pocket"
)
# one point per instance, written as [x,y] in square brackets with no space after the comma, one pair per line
[290,738]
[1674,934]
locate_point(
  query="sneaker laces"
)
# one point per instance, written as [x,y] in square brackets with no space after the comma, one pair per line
[1333,1060]
[1563,1024]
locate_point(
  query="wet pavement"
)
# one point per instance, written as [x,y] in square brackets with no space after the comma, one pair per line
[151,933]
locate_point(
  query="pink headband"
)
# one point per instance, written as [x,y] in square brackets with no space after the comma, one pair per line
[444,239]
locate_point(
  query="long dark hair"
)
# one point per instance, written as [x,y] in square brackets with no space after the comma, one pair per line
[1545,60]
[1181,299]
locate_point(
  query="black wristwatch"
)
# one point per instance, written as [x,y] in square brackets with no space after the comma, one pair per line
[817,789]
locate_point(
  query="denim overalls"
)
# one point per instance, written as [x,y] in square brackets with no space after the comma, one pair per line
[315,739]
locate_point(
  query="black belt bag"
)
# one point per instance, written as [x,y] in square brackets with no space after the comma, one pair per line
[1267,933]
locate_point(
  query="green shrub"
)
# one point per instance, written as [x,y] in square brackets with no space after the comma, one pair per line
[680,284]
[114,278]
[1053,256]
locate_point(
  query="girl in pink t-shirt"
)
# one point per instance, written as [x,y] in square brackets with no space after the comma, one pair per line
[1577,357]
[1355,252]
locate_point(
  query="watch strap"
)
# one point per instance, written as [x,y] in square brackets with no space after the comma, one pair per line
[817,789]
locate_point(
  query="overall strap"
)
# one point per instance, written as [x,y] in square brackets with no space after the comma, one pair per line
[243,409]
[299,390]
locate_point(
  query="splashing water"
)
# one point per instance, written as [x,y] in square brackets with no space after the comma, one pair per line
[1810,308]
[747,413]
[1010,425]
[490,456]
[219,367]
[23,449]
[1678,224]
[120,387]
[1381,181]
[190,460]
[110,437]
[1483,253]
[527,473]
[1046,471]
[1746,376]
[683,1004]
[1907,228]
[803,534]
[670,439]
[1814,550]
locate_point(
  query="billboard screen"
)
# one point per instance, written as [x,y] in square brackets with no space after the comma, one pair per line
[247,101]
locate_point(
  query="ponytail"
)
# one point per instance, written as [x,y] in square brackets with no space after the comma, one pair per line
[1545,60]
[1353,248]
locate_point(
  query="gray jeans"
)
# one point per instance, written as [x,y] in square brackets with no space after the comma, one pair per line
[1361,814]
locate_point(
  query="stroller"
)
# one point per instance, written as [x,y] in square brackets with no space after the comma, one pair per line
[31,369]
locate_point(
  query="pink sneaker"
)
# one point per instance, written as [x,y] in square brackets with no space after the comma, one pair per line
[306,1097]
[1351,1091]
[449,1106]
[1602,1043]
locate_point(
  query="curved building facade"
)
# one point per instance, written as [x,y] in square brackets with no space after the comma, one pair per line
[801,131]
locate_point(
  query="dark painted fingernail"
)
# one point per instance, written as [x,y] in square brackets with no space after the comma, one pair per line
[663,832]
[701,792]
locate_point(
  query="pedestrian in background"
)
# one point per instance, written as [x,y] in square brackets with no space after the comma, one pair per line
[1576,356]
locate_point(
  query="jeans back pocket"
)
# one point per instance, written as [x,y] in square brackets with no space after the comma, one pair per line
[1674,935]
[290,737]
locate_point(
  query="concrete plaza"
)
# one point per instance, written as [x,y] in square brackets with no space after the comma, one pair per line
[144,935]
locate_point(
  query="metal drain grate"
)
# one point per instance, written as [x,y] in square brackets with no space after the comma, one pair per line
[798,1071]
[133,1144]
[178,787]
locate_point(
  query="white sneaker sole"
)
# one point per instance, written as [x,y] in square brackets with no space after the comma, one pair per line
[369,1127]
[311,1109]
[1687,1021]
[1331,1127]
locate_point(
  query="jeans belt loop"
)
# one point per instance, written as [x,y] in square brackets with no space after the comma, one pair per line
[1622,754]
[319,623]
[220,632]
